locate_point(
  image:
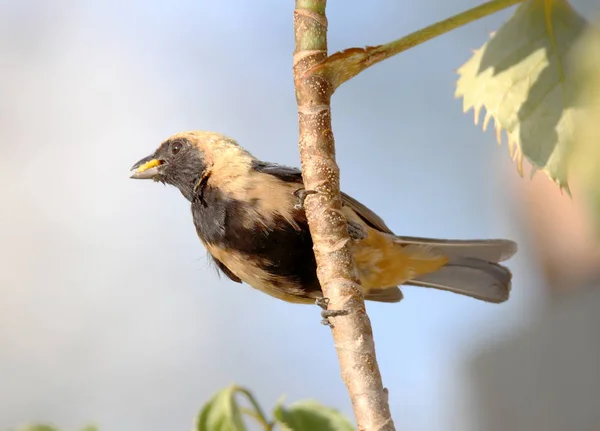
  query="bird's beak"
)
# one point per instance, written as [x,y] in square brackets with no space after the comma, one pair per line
[146,169]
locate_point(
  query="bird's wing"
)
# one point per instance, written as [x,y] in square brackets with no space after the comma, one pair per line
[294,175]
[284,173]
[365,213]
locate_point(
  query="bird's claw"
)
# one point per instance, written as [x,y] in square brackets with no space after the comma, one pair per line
[326,314]
[301,194]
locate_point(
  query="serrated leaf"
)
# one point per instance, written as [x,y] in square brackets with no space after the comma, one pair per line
[520,77]
[586,159]
[221,413]
[310,416]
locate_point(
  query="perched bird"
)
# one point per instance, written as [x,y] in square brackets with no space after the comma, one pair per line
[247,216]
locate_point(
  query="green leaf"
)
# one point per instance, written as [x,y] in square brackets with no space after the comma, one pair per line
[520,77]
[221,413]
[42,427]
[586,159]
[310,416]
[38,427]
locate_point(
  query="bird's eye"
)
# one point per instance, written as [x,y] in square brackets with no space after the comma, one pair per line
[176,147]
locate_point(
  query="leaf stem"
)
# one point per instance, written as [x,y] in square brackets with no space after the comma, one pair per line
[258,412]
[444,26]
[344,65]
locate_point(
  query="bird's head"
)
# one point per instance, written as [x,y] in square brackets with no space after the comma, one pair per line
[185,158]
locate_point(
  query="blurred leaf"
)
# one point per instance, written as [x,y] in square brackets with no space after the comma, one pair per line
[310,416]
[38,427]
[256,412]
[521,79]
[41,427]
[221,413]
[586,159]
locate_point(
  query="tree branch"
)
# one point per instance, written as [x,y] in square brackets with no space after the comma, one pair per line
[352,334]
[345,65]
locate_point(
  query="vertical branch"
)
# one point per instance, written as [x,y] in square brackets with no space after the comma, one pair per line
[352,334]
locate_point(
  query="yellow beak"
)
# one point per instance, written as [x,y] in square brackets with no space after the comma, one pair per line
[146,168]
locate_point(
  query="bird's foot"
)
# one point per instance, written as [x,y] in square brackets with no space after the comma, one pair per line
[301,194]
[356,231]
[326,314]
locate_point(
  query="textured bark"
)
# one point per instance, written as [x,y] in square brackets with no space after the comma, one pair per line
[352,334]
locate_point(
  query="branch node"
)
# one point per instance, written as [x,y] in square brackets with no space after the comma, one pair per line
[310,15]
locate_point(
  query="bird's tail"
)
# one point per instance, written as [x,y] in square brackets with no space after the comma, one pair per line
[473,268]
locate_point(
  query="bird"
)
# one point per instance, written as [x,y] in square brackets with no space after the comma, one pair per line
[247,215]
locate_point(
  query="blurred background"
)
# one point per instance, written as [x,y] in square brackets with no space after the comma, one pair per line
[110,313]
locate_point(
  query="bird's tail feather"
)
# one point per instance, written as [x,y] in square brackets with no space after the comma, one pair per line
[476,278]
[473,269]
[490,250]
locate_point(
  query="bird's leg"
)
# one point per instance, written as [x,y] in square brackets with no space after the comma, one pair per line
[356,231]
[326,314]
[301,194]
